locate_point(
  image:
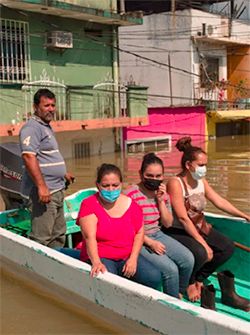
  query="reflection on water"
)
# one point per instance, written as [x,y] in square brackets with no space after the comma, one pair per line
[228,168]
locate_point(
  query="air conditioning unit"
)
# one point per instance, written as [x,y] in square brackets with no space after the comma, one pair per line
[210,30]
[216,31]
[59,39]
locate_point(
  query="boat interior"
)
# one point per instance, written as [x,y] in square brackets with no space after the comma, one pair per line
[18,221]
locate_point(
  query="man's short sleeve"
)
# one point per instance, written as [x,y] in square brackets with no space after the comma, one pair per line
[30,139]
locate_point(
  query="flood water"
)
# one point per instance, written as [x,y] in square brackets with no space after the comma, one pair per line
[25,312]
[28,311]
[228,168]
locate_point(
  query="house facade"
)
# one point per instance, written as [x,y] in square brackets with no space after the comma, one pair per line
[191,57]
[69,47]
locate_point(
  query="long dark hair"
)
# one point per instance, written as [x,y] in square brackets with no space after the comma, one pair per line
[105,169]
[190,153]
[149,159]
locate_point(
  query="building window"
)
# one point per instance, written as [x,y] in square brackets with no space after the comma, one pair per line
[82,150]
[14,51]
[209,72]
[149,144]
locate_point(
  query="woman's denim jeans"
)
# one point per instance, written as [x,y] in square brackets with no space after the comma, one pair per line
[70,252]
[176,264]
[147,274]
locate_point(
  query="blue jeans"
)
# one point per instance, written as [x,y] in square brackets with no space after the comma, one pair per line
[176,265]
[146,274]
[70,252]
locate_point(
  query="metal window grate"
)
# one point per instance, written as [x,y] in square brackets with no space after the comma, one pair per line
[14,51]
[209,72]
[82,150]
[149,144]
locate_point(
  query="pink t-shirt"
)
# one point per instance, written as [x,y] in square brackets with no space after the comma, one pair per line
[115,236]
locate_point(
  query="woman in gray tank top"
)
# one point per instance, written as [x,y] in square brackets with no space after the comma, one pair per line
[209,247]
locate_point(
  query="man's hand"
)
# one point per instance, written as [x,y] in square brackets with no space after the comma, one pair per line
[69,179]
[44,194]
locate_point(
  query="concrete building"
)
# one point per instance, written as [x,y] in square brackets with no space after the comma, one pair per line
[189,57]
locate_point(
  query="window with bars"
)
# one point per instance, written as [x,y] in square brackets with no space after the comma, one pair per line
[14,51]
[149,144]
[209,72]
[82,150]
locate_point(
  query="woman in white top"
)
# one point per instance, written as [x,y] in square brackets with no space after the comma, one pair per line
[188,193]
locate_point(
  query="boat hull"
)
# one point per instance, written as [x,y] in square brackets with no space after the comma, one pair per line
[150,308]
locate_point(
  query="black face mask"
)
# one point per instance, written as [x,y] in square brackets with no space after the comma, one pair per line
[152,184]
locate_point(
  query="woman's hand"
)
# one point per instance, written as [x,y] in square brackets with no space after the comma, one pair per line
[97,268]
[210,253]
[129,268]
[161,193]
[157,247]
[247,217]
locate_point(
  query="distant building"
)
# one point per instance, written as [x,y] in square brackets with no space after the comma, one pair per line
[191,57]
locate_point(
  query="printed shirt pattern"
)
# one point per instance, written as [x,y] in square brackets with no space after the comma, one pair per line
[196,197]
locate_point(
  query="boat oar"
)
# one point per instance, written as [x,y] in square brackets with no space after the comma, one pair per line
[242,246]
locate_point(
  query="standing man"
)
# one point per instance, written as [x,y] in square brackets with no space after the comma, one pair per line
[45,172]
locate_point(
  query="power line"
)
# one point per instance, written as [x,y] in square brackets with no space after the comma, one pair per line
[160,63]
[139,95]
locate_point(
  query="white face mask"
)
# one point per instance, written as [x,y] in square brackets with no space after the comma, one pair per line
[200,172]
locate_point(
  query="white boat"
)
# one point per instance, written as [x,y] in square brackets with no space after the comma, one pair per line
[127,305]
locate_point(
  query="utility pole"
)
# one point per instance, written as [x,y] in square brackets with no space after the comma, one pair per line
[170,80]
[172,6]
[231,9]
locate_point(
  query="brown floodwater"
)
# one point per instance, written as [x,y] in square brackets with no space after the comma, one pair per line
[27,310]
[24,311]
[228,168]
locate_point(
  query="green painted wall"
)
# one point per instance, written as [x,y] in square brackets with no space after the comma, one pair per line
[11,105]
[88,63]
[101,4]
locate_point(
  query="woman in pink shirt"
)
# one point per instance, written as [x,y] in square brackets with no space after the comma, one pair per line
[112,229]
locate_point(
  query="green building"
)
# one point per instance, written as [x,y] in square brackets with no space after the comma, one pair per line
[70,47]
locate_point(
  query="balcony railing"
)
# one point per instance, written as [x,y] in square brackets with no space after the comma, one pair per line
[105,100]
[216,99]
[215,105]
